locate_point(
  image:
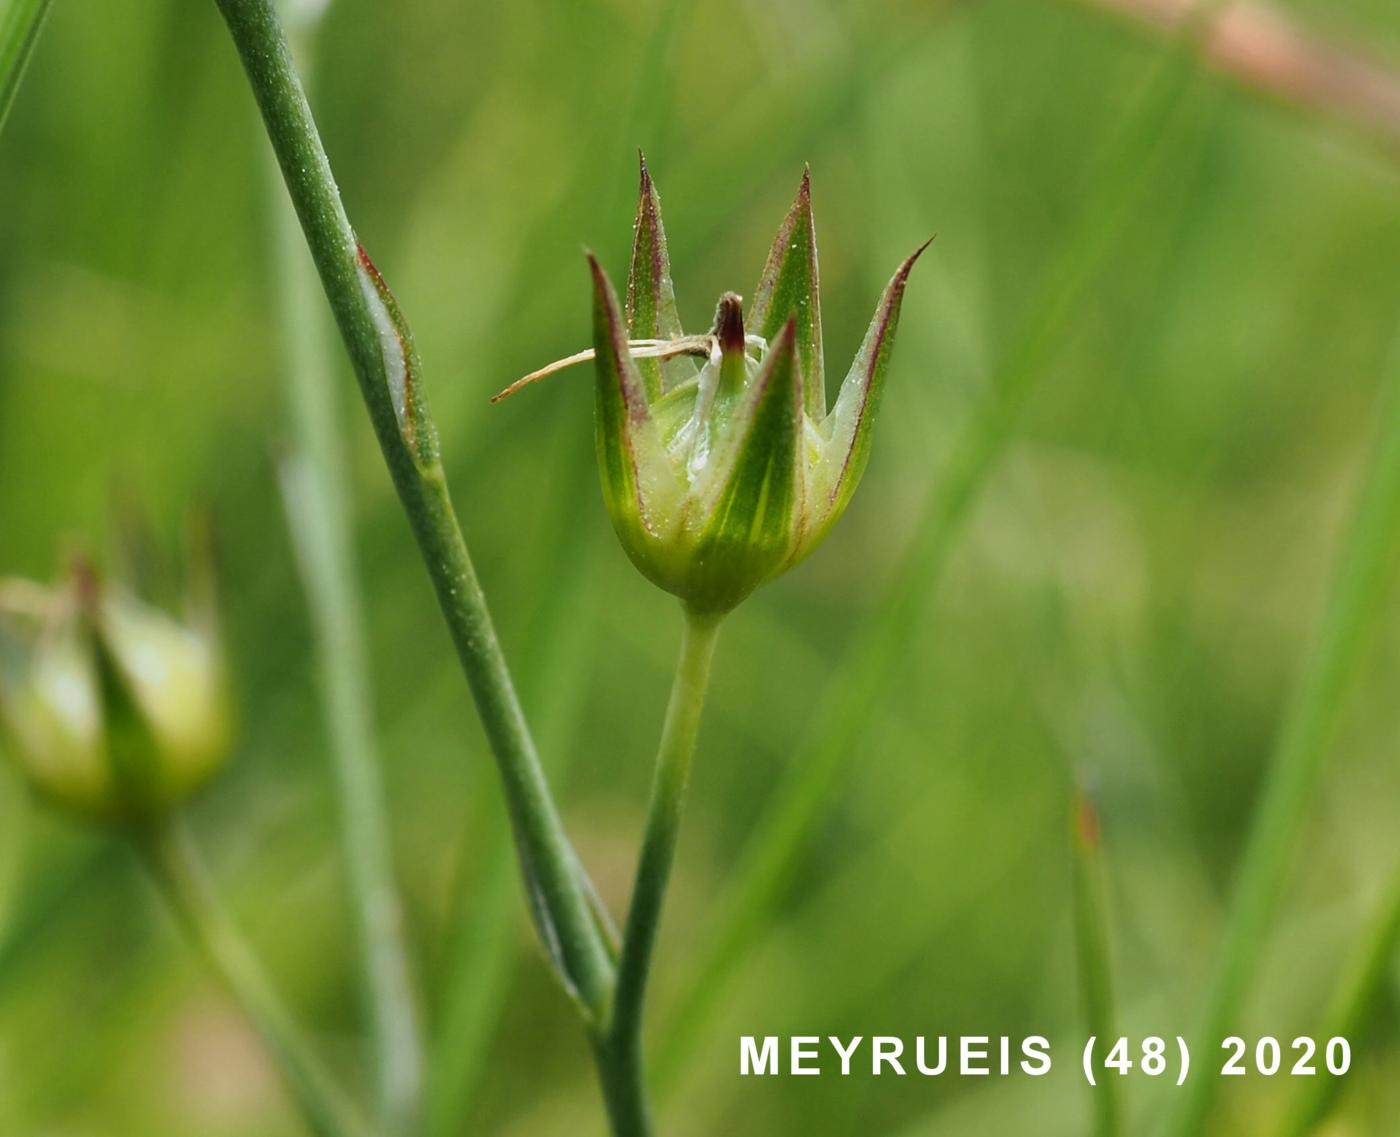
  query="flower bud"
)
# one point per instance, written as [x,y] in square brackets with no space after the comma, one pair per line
[109,708]
[721,465]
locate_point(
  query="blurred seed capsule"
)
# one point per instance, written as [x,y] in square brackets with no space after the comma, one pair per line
[110,708]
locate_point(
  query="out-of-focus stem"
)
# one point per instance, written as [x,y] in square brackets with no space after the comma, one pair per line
[1265,49]
[184,882]
[314,476]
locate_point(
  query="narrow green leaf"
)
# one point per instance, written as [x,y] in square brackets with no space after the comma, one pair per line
[651,298]
[791,286]
[20,25]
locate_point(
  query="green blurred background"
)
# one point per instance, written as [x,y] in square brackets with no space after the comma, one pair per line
[1130,598]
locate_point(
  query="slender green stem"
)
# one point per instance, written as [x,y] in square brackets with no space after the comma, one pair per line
[673,758]
[1351,1011]
[177,870]
[619,1049]
[623,1081]
[559,899]
[1095,960]
[20,25]
[1353,616]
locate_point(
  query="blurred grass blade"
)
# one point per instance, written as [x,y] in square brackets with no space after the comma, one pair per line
[1355,612]
[328,578]
[20,25]
[479,965]
[482,952]
[314,480]
[1351,1011]
[1095,958]
[1263,47]
[856,690]
[179,873]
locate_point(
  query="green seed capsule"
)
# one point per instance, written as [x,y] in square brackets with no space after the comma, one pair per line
[721,465]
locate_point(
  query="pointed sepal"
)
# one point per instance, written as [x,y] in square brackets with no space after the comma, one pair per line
[754,523]
[849,426]
[790,286]
[639,488]
[651,298]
